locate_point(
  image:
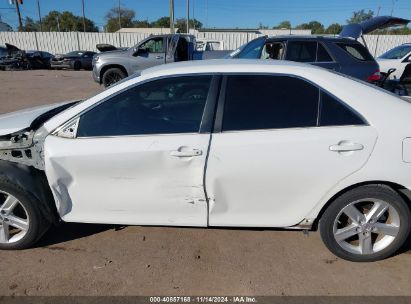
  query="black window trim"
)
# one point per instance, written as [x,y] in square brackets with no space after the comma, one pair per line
[207,120]
[219,116]
[327,50]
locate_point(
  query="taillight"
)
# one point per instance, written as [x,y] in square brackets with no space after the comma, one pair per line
[376,76]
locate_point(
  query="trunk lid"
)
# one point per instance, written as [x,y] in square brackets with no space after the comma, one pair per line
[356,30]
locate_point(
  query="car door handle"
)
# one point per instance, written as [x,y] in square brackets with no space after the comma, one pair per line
[159,57]
[346,147]
[182,152]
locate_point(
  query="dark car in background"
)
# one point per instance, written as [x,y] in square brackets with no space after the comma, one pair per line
[14,58]
[342,53]
[75,60]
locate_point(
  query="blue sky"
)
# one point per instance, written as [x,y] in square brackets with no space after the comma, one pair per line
[220,13]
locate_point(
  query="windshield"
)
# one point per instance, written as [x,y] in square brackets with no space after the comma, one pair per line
[249,50]
[397,52]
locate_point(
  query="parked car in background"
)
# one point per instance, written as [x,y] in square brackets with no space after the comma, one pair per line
[17,59]
[343,53]
[75,60]
[229,143]
[113,65]
[397,58]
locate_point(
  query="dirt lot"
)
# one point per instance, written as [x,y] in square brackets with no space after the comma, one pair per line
[78,259]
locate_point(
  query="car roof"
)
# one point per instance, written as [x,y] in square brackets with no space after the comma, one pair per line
[227,66]
[310,37]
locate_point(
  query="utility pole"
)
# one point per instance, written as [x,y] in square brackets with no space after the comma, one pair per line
[194,23]
[84,17]
[393,4]
[172,30]
[206,13]
[58,22]
[119,14]
[188,16]
[18,14]
[38,9]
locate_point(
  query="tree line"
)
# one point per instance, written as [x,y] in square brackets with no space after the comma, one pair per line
[317,27]
[66,21]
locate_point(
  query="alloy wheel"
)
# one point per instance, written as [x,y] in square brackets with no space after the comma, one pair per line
[366,226]
[14,219]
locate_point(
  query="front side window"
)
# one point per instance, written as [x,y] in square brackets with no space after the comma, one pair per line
[273,50]
[301,51]
[164,106]
[155,45]
[269,102]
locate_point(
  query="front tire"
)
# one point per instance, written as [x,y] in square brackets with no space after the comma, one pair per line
[366,224]
[111,76]
[21,222]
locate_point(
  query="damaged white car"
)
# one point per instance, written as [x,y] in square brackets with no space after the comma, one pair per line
[217,143]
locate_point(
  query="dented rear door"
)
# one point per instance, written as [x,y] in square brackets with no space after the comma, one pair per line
[151,178]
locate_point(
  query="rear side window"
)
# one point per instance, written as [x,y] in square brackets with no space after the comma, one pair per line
[301,51]
[356,50]
[269,102]
[335,113]
[322,54]
[172,105]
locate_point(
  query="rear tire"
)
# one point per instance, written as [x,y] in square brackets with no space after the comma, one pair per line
[19,208]
[113,75]
[366,224]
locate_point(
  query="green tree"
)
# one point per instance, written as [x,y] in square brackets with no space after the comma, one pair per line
[360,16]
[30,25]
[262,26]
[283,25]
[181,24]
[334,29]
[141,23]
[161,22]
[126,18]
[315,27]
[66,22]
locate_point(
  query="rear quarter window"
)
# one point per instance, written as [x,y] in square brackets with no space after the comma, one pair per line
[356,50]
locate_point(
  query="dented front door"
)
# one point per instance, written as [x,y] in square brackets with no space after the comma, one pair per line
[142,180]
[138,157]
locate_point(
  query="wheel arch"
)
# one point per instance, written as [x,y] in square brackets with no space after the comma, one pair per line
[35,182]
[403,191]
[111,66]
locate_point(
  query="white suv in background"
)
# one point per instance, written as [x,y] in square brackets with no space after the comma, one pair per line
[396,58]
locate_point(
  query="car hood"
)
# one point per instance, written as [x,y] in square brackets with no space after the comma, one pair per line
[12,49]
[356,30]
[104,47]
[30,118]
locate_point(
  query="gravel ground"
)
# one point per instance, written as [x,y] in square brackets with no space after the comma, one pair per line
[80,259]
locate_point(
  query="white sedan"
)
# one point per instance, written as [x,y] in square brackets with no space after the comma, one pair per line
[396,58]
[216,143]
